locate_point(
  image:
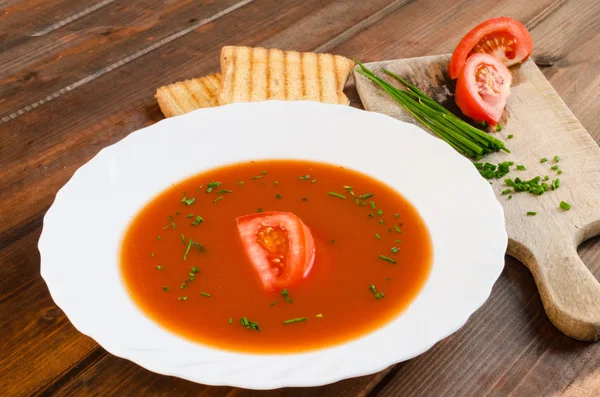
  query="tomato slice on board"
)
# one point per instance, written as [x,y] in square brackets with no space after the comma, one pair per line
[482,88]
[279,246]
[504,38]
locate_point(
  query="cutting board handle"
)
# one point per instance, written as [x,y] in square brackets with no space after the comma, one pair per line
[569,291]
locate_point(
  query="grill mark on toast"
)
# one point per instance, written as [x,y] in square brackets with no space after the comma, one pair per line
[319,77]
[284,82]
[233,77]
[302,77]
[251,76]
[268,71]
[336,73]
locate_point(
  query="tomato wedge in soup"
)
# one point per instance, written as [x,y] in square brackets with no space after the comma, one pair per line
[279,246]
[482,88]
[504,38]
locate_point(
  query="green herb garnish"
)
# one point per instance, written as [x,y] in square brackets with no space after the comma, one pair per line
[313,181]
[197,221]
[182,298]
[554,167]
[377,236]
[158,267]
[276,183]
[397,228]
[543,160]
[320,315]
[158,237]
[272,303]
[556,159]
[187,250]
[224,191]
[506,191]
[230,320]
[212,185]
[295,320]
[240,183]
[217,199]
[256,177]
[249,324]
[565,206]
[278,196]
[366,196]
[191,214]
[286,295]
[205,294]
[510,136]
[498,127]
[259,210]
[336,195]
[386,258]
[461,135]
[189,201]
[531,213]
[379,295]
[165,288]
[304,199]
[394,249]
[521,167]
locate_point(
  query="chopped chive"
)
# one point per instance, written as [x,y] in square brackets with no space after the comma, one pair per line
[272,303]
[546,178]
[506,191]
[152,254]
[195,270]
[259,210]
[182,238]
[381,222]
[366,196]
[249,324]
[205,294]
[189,201]
[158,237]
[531,213]
[385,258]
[264,172]
[182,298]
[510,136]
[278,196]
[197,221]
[191,214]
[348,188]
[372,204]
[170,218]
[558,172]
[364,203]
[165,288]
[224,191]
[187,250]
[276,183]
[313,181]
[510,197]
[556,159]
[230,320]
[164,228]
[217,199]
[498,127]
[379,295]
[377,236]
[372,288]
[198,245]
[397,228]
[158,267]
[295,320]
[398,241]
[183,285]
[183,198]
[388,279]
[320,315]
[554,167]
[256,177]
[371,215]
[305,199]
[397,216]
[521,167]
[357,201]
[286,295]
[305,177]
[565,206]
[379,212]
[240,183]
[336,195]
[543,160]
[394,249]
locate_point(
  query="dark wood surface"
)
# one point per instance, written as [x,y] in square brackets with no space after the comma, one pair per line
[76,76]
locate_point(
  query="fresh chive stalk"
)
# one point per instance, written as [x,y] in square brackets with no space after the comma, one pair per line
[459,134]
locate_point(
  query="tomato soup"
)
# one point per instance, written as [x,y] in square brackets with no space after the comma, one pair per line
[187,267]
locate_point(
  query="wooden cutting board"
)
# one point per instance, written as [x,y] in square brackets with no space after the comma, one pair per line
[542,126]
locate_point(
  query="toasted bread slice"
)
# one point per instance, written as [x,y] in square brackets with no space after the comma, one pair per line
[257,74]
[185,96]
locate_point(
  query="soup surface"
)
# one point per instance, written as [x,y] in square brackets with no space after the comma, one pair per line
[185,265]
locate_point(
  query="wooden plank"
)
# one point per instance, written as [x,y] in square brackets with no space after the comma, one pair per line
[41,66]
[26,18]
[39,344]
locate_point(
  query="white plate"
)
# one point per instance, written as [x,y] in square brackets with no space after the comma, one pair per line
[82,234]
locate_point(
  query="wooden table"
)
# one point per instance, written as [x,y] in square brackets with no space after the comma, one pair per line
[76,76]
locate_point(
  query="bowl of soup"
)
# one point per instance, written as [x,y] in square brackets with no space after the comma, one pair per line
[273,244]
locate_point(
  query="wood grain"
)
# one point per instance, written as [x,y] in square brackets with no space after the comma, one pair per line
[507,347]
[543,127]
